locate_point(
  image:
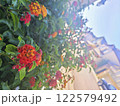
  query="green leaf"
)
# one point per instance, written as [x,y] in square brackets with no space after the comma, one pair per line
[40,17]
[90,69]
[24,2]
[11,49]
[27,24]
[16,81]
[19,32]
[0,62]
[42,27]
[8,34]
[85,65]
[37,47]
[10,37]
[15,21]
[5,86]
[22,73]
[1,45]
[33,66]
[14,41]
[79,70]
[56,50]
[9,1]
[5,22]
[21,41]
[5,68]
[61,23]
[2,2]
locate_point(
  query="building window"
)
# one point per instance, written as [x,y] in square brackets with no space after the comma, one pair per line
[101,70]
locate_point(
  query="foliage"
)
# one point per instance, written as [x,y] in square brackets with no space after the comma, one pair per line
[55,31]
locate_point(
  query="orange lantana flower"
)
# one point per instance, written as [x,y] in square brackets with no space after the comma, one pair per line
[62,58]
[27,54]
[0,38]
[37,9]
[43,11]
[42,63]
[54,34]
[65,82]
[63,13]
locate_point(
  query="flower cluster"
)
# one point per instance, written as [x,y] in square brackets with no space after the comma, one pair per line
[58,75]
[62,58]
[43,11]
[32,81]
[53,35]
[26,57]
[26,18]
[53,81]
[37,9]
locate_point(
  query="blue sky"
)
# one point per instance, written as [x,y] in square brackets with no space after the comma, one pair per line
[105,21]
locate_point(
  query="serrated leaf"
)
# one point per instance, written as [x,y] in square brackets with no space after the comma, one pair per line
[22,73]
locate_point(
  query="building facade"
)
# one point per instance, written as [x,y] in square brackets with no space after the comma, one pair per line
[107,58]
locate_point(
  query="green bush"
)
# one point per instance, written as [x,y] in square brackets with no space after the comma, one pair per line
[57,42]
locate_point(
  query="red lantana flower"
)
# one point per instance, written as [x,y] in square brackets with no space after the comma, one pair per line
[59,31]
[40,84]
[26,57]
[47,75]
[0,38]
[32,81]
[26,18]
[52,83]
[58,75]
[38,59]
[27,54]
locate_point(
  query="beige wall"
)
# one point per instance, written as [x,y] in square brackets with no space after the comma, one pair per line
[112,57]
[83,80]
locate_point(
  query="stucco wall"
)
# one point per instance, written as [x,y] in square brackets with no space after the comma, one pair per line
[83,80]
